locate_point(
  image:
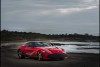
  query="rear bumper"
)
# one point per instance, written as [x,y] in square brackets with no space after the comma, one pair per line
[57,56]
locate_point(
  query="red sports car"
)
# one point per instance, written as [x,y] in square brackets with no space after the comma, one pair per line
[41,50]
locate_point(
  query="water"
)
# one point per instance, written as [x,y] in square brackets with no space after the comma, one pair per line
[80,47]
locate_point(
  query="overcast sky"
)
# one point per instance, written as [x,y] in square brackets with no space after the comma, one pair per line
[51,16]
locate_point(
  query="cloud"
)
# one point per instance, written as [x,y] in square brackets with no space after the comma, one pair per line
[71,10]
[50,16]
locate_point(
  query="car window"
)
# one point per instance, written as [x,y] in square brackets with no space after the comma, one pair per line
[28,44]
[37,44]
[32,44]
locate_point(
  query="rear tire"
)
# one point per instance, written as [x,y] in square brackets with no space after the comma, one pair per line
[20,54]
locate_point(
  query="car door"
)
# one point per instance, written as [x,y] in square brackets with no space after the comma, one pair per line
[29,49]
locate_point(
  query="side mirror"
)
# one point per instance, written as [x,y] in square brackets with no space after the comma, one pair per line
[29,45]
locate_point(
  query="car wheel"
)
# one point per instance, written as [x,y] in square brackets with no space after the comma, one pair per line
[20,54]
[39,55]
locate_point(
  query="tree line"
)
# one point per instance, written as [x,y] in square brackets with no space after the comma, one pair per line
[23,36]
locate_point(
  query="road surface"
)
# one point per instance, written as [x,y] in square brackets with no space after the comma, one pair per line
[9,58]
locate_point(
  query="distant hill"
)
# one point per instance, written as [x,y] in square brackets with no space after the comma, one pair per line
[23,36]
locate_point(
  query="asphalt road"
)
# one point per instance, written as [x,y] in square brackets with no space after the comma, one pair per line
[9,58]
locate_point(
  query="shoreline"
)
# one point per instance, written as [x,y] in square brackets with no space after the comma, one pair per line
[16,44]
